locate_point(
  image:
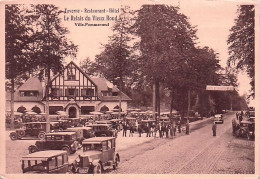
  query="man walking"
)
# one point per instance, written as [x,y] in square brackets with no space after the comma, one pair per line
[124,129]
[188,128]
[214,129]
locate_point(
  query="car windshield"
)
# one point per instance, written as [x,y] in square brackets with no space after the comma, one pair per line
[87,147]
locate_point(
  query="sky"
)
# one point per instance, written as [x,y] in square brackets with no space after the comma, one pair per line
[212,18]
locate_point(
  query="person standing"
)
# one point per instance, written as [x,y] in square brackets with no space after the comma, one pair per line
[188,128]
[179,126]
[139,130]
[171,130]
[155,129]
[131,131]
[174,129]
[124,129]
[214,129]
[167,130]
[160,130]
[148,130]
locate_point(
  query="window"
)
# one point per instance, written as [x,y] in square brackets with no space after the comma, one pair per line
[56,92]
[36,109]
[87,92]
[104,145]
[71,73]
[87,109]
[115,94]
[71,92]
[53,109]
[29,93]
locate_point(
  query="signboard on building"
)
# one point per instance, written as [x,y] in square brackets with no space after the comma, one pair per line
[219,88]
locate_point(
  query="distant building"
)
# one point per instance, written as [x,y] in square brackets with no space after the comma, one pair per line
[72,91]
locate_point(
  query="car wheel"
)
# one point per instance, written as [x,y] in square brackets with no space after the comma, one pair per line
[21,134]
[116,163]
[41,135]
[66,148]
[97,169]
[237,133]
[33,149]
[13,136]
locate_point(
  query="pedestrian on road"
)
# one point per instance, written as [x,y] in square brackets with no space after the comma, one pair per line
[167,131]
[155,130]
[174,129]
[179,126]
[139,130]
[152,130]
[124,129]
[131,132]
[188,128]
[171,130]
[160,130]
[214,129]
[148,130]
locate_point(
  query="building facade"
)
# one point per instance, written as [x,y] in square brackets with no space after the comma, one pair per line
[72,91]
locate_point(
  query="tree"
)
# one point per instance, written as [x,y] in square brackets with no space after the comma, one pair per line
[116,61]
[50,44]
[165,37]
[17,40]
[241,43]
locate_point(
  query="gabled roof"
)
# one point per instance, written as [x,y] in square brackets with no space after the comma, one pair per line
[104,85]
[32,84]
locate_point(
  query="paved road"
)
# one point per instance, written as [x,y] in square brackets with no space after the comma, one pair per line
[196,153]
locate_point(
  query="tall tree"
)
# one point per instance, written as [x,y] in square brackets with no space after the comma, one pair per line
[165,38]
[50,44]
[116,61]
[241,43]
[17,40]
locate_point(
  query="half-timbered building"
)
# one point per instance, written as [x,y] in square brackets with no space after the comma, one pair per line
[72,91]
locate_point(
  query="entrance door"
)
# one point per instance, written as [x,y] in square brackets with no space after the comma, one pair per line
[72,112]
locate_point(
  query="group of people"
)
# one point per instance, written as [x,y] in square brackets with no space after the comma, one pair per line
[166,129]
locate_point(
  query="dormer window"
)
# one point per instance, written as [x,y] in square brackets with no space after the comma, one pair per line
[29,93]
[115,94]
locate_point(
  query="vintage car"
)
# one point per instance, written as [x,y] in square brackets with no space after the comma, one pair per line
[116,124]
[57,141]
[246,129]
[103,130]
[63,124]
[49,161]
[98,154]
[108,122]
[81,132]
[34,129]
[218,118]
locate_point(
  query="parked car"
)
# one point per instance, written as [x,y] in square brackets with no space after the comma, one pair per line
[116,124]
[32,129]
[218,118]
[246,129]
[63,124]
[103,130]
[98,153]
[49,161]
[81,132]
[57,141]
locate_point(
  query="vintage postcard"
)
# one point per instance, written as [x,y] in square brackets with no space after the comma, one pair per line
[130,88]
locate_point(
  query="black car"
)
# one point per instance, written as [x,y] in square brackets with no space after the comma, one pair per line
[57,141]
[103,130]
